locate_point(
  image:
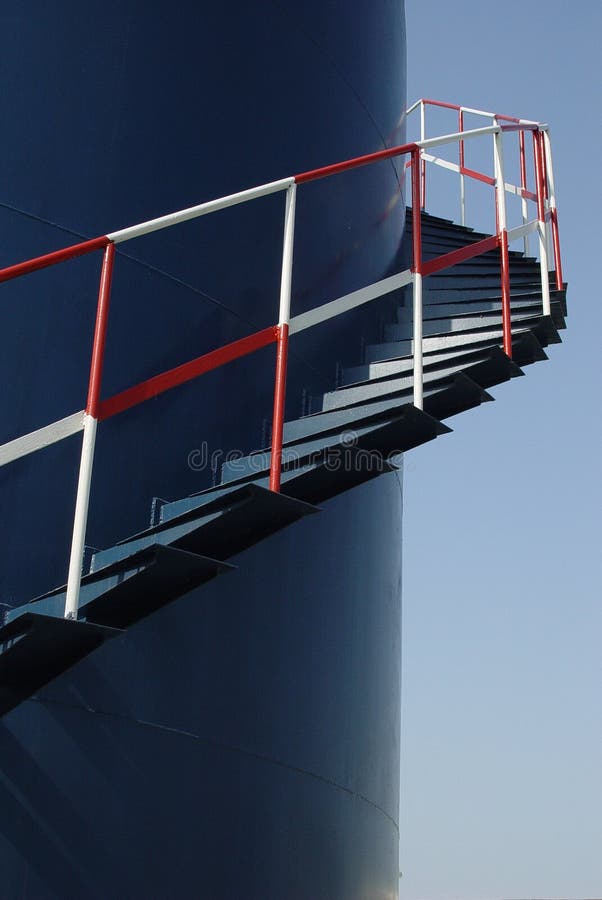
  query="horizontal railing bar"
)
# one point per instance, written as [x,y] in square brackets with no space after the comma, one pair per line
[458,256]
[519,191]
[454,167]
[443,163]
[457,136]
[201,209]
[354,163]
[158,384]
[522,126]
[42,437]
[51,259]
[349,301]
[441,103]
[522,230]
[478,176]
[477,112]
[468,109]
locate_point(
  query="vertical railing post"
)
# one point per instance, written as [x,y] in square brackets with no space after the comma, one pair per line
[417,281]
[423,161]
[541,215]
[80,520]
[553,209]
[523,184]
[282,346]
[502,225]
[462,179]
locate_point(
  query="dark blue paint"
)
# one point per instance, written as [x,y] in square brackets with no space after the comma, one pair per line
[244,742]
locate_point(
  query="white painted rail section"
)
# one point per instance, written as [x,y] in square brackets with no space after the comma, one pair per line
[202,209]
[349,301]
[42,437]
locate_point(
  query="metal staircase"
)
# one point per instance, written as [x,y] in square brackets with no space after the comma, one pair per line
[356,435]
[476,331]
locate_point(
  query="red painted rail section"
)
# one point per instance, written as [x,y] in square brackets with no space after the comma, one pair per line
[158,384]
[98,410]
[52,259]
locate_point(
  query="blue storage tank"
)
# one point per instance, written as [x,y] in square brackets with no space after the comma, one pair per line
[243,742]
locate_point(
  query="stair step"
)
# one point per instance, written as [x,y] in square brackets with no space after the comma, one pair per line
[403,365]
[526,349]
[518,302]
[488,369]
[460,395]
[370,435]
[450,294]
[352,464]
[388,350]
[132,588]
[350,396]
[437,246]
[448,279]
[492,268]
[35,648]
[220,530]
[457,323]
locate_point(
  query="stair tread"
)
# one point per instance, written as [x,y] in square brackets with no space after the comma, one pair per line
[132,587]
[35,649]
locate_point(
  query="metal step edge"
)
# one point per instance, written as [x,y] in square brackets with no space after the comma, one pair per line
[396,384]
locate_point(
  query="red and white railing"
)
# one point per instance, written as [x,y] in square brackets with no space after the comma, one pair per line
[98,410]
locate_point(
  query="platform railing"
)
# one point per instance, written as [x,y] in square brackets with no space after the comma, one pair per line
[97,410]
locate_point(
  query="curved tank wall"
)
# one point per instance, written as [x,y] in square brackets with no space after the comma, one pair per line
[245,741]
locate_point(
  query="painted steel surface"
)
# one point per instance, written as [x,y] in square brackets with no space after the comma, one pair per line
[244,742]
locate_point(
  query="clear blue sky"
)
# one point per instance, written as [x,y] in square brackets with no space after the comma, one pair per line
[502,709]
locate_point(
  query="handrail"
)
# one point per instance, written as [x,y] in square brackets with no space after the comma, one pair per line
[98,410]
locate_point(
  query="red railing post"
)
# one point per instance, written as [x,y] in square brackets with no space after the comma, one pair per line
[279,403]
[541,215]
[80,519]
[423,161]
[283,330]
[461,162]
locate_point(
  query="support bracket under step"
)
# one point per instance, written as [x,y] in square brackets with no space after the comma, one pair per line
[35,648]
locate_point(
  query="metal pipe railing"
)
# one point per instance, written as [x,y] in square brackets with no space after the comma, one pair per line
[80,520]
[284,317]
[418,378]
[502,226]
[98,410]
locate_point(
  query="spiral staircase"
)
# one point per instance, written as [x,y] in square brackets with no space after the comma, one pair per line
[355,435]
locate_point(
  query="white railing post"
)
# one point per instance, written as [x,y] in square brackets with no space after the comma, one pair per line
[417,283]
[553,208]
[286,276]
[502,227]
[80,519]
[523,184]
[417,342]
[462,178]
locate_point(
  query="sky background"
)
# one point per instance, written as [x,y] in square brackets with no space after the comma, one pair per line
[502,711]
